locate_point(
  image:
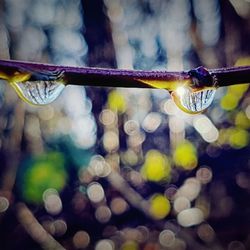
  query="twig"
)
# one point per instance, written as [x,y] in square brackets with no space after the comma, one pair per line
[88,76]
[35,229]
[134,198]
[93,76]
[230,76]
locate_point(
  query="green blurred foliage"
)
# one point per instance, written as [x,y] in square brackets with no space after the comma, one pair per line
[40,173]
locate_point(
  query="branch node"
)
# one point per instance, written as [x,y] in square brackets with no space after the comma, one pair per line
[201,77]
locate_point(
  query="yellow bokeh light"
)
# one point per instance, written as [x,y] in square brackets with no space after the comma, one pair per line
[156,167]
[223,136]
[242,121]
[130,245]
[185,155]
[235,92]
[116,101]
[238,138]
[159,206]
[233,95]
[243,61]
[229,102]
[238,89]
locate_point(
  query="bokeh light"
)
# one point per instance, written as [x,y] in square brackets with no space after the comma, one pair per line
[159,206]
[206,233]
[167,238]
[60,227]
[190,189]
[103,214]
[116,101]
[204,174]
[4,204]
[190,217]
[52,201]
[185,155]
[156,166]
[81,240]
[95,192]
[118,205]
[104,244]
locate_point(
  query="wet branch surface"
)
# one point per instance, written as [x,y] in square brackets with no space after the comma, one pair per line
[90,76]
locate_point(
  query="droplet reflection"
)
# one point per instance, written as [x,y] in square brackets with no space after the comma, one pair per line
[193,101]
[38,92]
[38,88]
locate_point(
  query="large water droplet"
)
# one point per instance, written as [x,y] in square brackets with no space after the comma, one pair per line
[39,88]
[193,101]
[39,92]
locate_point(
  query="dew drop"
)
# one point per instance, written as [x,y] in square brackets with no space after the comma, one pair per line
[39,88]
[193,101]
[39,92]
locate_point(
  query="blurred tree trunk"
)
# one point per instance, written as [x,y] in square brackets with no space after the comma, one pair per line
[236,32]
[11,131]
[4,46]
[98,34]
[101,52]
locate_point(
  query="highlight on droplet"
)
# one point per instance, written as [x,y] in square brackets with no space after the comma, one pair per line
[193,101]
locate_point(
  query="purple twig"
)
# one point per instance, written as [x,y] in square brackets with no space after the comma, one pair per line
[200,77]
[231,76]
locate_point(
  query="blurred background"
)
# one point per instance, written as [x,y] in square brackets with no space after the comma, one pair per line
[107,169]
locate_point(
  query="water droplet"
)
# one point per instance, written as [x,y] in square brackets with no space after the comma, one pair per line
[38,88]
[193,101]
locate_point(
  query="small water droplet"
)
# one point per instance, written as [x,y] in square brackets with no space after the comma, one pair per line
[38,88]
[193,101]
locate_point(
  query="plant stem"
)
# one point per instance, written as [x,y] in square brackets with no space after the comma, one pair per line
[231,76]
[88,76]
